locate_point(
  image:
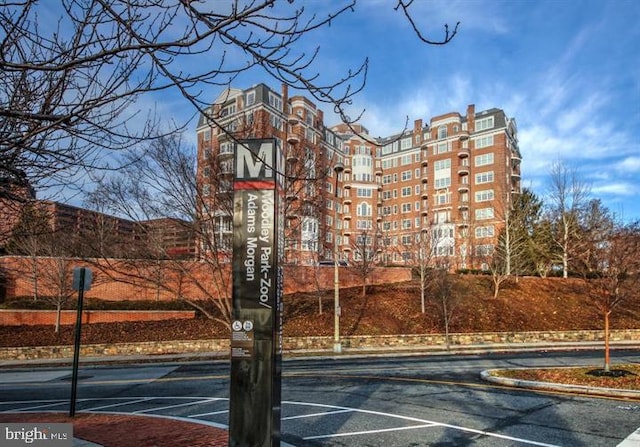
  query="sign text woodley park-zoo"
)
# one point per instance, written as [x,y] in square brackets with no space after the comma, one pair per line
[256,338]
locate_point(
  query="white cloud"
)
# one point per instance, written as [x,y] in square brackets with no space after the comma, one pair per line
[615,189]
[629,165]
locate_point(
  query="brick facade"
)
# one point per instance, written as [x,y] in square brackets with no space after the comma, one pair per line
[127,280]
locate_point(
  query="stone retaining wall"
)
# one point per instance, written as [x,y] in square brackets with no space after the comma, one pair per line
[319,344]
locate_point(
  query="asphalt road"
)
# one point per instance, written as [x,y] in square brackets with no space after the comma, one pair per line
[435,400]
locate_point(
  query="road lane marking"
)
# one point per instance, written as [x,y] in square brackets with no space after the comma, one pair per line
[633,440]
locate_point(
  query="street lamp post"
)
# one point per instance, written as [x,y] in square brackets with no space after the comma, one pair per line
[337,346]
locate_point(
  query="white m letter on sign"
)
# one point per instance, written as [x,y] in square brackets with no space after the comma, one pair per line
[250,162]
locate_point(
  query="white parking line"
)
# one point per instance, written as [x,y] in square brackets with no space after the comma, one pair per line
[186,404]
[119,404]
[323,413]
[211,413]
[428,423]
[38,407]
[368,432]
[633,440]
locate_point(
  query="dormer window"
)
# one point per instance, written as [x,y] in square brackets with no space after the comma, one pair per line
[442,132]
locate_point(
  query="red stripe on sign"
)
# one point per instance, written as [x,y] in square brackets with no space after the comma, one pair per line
[256,184]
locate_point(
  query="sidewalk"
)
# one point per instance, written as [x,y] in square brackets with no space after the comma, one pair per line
[111,430]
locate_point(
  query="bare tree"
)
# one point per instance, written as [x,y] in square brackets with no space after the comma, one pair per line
[365,247]
[611,272]
[30,237]
[72,84]
[568,197]
[162,184]
[542,247]
[443,293]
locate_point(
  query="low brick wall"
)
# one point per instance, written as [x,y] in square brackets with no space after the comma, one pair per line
[48,317]
[135,280]
[320,344]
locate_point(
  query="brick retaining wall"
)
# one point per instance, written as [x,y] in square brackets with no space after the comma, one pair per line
[35,317]
[319,343]
[115,280]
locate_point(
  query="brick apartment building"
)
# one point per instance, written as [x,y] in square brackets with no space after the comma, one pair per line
[14,194]
[76,231]
[446,183]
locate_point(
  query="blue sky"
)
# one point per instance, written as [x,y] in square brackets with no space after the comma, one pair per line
[568,71]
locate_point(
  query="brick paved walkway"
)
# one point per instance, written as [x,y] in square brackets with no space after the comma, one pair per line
[131,431]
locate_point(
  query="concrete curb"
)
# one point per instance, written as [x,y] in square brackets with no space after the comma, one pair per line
[347,353]
[489,376]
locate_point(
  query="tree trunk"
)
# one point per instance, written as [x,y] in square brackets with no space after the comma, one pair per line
[35,279]
[445,311]
[607,356]
[422,284]
[58,315]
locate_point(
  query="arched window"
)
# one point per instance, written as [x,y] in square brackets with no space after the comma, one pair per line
[442,132]
[364,209]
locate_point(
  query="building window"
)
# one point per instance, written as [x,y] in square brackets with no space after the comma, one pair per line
[487,231]
[484,213]
[484,177]
[441,148]
[485,195]
[484,250]
[484,159]
[406,191]
[484,123]
[229,110]
[483,142]
[443,182]
[275,101]
[405,143]
[406,207]
[442,132]
[443,198]
[406,176]
[364,209]
[251,98]
[363,192]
